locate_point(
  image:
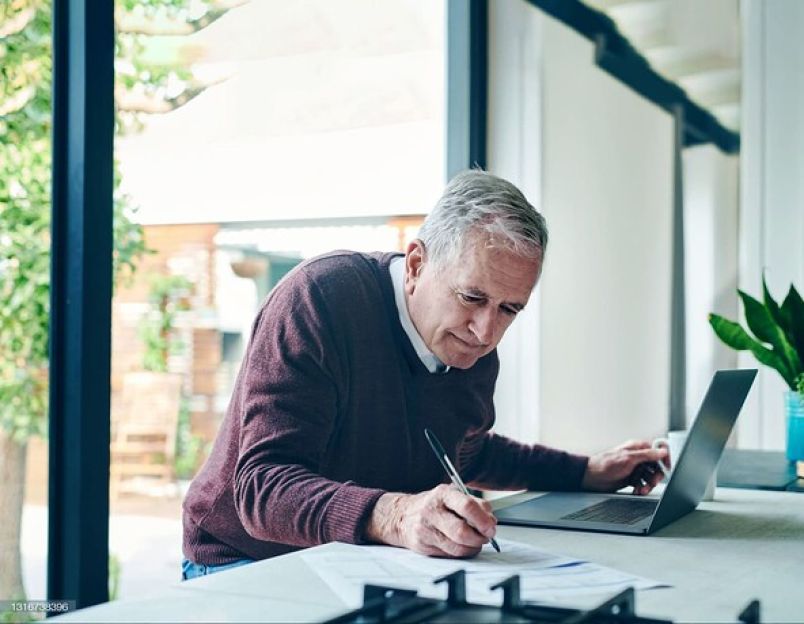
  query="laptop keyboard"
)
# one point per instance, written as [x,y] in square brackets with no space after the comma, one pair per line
[616,510]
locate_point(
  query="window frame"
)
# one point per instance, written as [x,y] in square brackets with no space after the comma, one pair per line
[80,300]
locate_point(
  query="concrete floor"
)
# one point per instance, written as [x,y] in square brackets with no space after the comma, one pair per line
[144,534]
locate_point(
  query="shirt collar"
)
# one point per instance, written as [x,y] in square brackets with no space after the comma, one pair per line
[428,358]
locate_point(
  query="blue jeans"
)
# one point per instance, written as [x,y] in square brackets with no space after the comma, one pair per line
[190,570]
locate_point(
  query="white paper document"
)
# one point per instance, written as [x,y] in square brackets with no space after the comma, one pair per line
[544,577]
[515,558]
[348,568]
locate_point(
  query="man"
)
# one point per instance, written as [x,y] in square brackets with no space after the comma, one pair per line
[351,357]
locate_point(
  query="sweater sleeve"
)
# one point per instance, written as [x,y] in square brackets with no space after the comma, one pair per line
[491,461]
[291,385]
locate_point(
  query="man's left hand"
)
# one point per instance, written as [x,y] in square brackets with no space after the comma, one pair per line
[633,463]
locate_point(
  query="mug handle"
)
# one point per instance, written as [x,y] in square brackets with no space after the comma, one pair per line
[666,465]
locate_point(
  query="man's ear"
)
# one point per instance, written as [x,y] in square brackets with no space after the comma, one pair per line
[415,257]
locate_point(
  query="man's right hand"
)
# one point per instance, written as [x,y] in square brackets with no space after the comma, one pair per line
[442,522]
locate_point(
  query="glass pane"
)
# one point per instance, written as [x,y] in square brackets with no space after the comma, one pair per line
[248,140]
[25,125]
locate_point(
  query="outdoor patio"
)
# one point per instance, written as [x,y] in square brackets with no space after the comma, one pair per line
[144,535]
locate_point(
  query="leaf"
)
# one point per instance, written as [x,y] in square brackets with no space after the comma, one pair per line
[758,318]
[793,307]
[733,335]
[776,312]
[761,322]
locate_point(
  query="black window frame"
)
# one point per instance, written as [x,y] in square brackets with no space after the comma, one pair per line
[467,84]
[81,297]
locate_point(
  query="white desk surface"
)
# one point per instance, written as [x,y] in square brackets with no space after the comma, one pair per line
[746,544]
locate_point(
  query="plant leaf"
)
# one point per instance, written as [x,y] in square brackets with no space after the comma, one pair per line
[778,315]
[736,337]
[793,308]
[758,318]
[763,325]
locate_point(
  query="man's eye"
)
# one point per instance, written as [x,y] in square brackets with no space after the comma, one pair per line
[470,298]
[509,310]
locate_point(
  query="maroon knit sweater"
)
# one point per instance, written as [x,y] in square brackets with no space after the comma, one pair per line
[328,413]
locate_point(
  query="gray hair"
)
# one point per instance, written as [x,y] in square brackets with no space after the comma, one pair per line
[479,203]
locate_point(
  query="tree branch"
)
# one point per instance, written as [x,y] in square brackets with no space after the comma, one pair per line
[153,104]
[130,24]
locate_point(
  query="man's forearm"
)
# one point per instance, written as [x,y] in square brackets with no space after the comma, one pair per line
[385,520]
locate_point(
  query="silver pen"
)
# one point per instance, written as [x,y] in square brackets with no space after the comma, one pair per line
[443,459]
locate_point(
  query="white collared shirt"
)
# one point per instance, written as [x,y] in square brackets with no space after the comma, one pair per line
[428,358]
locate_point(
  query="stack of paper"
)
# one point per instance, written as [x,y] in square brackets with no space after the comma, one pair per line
[544,577]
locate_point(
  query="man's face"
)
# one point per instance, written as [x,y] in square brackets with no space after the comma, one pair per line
[462,309]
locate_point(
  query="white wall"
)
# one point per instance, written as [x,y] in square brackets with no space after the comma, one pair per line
[772,184]
[514,152]
[597,160]
[607,192]
[711,211]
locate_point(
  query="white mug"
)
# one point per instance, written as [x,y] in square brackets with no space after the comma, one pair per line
[674,443]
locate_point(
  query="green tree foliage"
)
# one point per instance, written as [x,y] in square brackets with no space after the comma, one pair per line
[25,155]
[168,295]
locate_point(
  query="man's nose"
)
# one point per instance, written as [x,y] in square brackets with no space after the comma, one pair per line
[482,325]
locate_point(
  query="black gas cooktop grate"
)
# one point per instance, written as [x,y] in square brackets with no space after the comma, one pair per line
[386,604]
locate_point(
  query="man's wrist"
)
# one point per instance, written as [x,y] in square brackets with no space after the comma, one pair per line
[582,482]
[592,477]
[384,521]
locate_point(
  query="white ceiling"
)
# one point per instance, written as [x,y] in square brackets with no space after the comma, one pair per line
[693,43]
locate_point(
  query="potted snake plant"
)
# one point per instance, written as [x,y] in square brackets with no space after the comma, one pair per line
[778,342]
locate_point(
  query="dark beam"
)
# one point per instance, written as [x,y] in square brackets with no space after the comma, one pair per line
[615,54]
[678,326]
[81,293]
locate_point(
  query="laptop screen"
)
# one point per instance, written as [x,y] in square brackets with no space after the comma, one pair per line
[705,443]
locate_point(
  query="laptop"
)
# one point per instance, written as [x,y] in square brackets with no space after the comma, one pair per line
[642,515]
